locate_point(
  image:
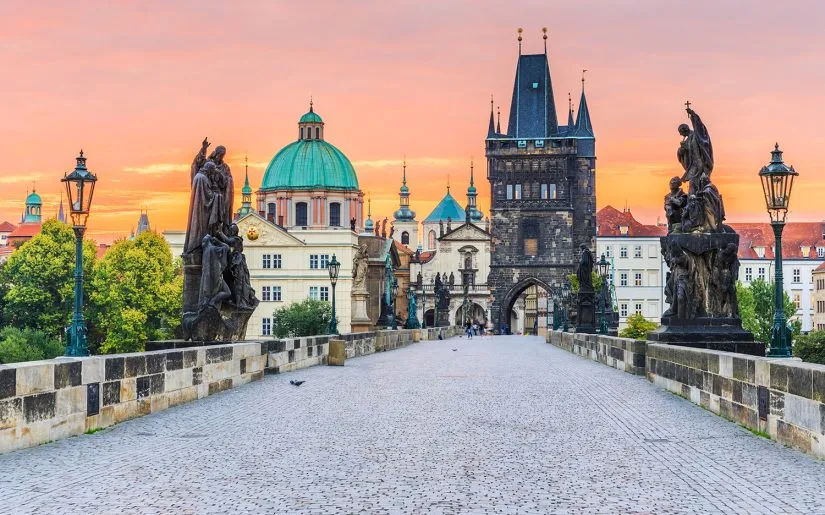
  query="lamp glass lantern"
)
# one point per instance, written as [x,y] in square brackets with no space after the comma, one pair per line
[334,267]
[777,184]
[80,187]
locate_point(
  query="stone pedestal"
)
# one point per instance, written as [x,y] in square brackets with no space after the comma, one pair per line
[227,324]
[191,282]
[586,313]
[360,322]
[337,353]
[725,334]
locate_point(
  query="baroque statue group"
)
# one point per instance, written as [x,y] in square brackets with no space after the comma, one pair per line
[218,298]
[701,253]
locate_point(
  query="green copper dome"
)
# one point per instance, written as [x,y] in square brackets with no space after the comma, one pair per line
[34,199]
[311,117]
[310,164]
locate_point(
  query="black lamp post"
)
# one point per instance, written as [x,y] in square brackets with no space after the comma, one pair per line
[604,267]
[777,182]
[565,296]
[334,268]
[394,320]
[80,185]
[556,309]
[423,290]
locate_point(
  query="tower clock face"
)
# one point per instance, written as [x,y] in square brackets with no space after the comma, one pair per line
[252,233]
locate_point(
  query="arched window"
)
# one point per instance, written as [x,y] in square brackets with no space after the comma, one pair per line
[405,238]
[317,133]
[301,214]
[431,240]
[270,212]
[335,214]
[302,133]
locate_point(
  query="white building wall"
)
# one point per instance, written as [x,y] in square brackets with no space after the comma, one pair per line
[798,287]
[631,256]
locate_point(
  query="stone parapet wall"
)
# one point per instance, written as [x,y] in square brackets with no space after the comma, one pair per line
[623,354]
[784,398]
[41,401]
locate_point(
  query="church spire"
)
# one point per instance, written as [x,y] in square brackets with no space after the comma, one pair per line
[498,121]
[246,192]
[471,212]
[570,122]
[404,214]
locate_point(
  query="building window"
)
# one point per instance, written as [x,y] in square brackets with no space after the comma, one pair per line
[638,310]
[623,279]
[543,190]
[266,293]
[797,300]
[301,214]
[335,214]
[517,194]
[761,273]
[548,191]
[509,192]
[797,275]
[302,133]
[530,232]
[637,251]
[267,261]
[608,252]
[276,293]
[623,252]
[637,279]
[623,310]
[276,261]
[405,238]
[748,274]
[319,292]
[318,261]
[266,326]
[820,252]
[431,240]
[270,212]
[317,133]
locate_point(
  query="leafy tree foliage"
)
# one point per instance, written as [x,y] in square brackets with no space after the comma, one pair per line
[18,345]
[137,294]
[637,327]
[756,309]
[594,277]
[39,278]
[810,347]
[306,318]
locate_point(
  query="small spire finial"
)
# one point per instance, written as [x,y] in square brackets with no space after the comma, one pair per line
[310,104]
[498,119]
[583,72]
[81,152]
[776,146]
[544,37]
[570,101]
[448,183]
[491,102]
[520,30]
[405,170]
[471,171]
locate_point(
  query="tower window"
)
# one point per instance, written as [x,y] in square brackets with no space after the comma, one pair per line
[431,240]
[405,238]
[509,192]
[270,212]
[317,133]
[302,133]
[301,213]
[335,214]
[517,195]
[530,235]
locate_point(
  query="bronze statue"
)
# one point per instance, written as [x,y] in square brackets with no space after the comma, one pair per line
[584,272]
[675,203]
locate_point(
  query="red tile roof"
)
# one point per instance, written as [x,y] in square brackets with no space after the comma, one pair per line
[25,231]
[795,236]
[7,227]
[820,268]
[609,220]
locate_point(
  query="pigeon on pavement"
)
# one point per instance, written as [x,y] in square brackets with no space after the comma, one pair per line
[293,382]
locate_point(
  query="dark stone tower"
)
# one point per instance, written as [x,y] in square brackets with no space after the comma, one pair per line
[542,184]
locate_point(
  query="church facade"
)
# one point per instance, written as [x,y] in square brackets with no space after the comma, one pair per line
[543,191]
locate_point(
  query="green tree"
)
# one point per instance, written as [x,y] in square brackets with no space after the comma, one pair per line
[810,347]
[40,280]
[137,294]
[309,317]
[594,277]
[18,345]
[637,327]
[756,308]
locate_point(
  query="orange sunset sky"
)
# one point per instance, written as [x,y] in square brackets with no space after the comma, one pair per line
[138,85]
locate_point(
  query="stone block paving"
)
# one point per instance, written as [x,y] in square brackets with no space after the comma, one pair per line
[499,425]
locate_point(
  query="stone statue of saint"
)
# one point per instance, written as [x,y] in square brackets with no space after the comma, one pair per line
[213,289]
[584,272]
[243,295]
[675,203]
[695,154]
[723,282]
[452,279]
[359,269]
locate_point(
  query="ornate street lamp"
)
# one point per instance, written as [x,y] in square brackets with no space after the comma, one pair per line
[80,186]
[777,182]
[393,320]
[565,298]
[423,290]
[604,267]
[556,309]
[412,311]
[334,268]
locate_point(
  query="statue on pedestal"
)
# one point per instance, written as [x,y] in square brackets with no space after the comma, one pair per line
[701,255]
[218,298]
[586,300]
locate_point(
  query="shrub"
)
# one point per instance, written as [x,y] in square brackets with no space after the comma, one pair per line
[810,347]
[18,345]
[637,327]
[309,317]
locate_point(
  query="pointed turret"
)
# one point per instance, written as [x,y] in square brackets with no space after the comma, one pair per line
[61,215]
[369,226]
[570,123]
[498,120]
[472,195]
[491,130]
[404,214]
[584,128]
[532,109]
[246,192]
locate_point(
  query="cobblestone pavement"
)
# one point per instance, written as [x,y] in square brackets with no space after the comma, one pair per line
[490,425]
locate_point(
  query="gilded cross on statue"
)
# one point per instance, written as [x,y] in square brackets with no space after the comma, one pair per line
[687,104]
